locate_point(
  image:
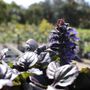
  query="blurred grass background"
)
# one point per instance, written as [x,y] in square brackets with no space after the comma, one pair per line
[17,24]
[18,33]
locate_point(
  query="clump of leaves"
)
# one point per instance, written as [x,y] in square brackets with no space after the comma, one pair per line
[85,70]
[10,64]
[21,78]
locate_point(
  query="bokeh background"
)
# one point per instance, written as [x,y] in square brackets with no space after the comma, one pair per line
[36,19]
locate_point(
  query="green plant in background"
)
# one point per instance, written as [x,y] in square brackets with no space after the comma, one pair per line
[84,35]
[44,29]
[10,32]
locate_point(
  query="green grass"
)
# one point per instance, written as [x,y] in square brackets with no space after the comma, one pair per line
[84,34]
[9,33]
[87,47]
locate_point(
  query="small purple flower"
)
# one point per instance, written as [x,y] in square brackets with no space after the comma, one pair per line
[70,44]
[74,38]
[72,31]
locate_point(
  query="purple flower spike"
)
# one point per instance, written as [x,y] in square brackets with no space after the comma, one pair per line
[67,38]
